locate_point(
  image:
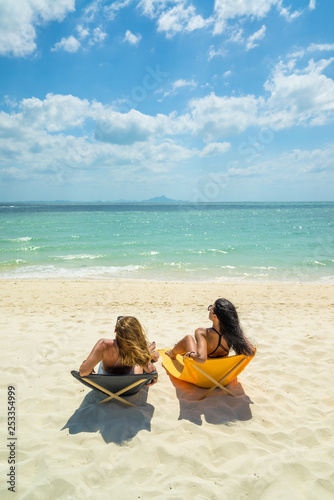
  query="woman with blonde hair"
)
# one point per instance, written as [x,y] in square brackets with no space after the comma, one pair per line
[128,353]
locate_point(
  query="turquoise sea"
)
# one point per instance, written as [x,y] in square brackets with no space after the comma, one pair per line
[223,242]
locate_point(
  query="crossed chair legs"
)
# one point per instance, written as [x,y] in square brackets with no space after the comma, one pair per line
[219,382]
[116,395]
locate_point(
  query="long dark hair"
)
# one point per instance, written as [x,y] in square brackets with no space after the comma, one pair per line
[230,327]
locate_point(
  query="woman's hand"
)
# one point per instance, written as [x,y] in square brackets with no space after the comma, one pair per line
[153,381]
[188,354]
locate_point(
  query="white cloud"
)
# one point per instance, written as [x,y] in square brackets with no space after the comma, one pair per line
[216,52]
[112,10]
[90,12]
[297,97]
[179,18]
[290,166]
[19,19]
[311,5]
[72,44]
[214,149]
[225,10]
[55,113]
[300,96]
[69,44]
[153,8]
[98,36]
[184,83]
[215,117]
[286,12]
[82,32]
[257,36]
[237,36]
[173,16]
[36,140]
[131,38]
[239,8]
[314,47]
[179,84]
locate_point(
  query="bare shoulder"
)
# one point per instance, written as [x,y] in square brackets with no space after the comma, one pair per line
[104,343]
[200,331]
[107,341]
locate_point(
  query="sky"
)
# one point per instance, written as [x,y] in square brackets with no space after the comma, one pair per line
[199,100]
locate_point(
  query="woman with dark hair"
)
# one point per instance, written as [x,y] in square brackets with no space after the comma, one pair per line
[128,353]
[216,341]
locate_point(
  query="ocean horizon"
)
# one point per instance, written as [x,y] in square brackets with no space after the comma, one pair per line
[173,241]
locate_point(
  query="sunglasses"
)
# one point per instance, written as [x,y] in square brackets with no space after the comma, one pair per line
[210,307]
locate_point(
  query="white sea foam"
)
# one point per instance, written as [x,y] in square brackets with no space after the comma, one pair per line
[150,253]
[264,267]
[30,249]
[79,257]
[51,271]
[24,238]
[215,250]
[7,263]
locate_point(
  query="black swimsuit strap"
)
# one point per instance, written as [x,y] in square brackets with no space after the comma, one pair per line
[219,343]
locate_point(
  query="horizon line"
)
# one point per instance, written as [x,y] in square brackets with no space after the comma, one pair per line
[162,201]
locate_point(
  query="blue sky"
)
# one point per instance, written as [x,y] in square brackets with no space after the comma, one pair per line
[225,100]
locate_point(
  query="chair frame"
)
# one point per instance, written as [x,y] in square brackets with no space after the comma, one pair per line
[219,382]
[114,395]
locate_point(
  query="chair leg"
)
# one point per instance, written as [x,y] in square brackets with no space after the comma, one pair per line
[216,384]
[111,394]
[222,380]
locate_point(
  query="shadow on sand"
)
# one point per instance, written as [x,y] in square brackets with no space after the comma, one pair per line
[216,408]
[116,422]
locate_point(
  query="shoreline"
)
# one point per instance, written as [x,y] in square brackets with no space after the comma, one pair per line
[166,280]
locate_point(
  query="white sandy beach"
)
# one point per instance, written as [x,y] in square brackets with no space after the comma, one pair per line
[275,440]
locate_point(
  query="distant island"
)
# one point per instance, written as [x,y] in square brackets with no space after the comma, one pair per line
[161,199]
[157,199]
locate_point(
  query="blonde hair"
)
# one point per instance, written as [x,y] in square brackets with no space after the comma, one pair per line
[131,341]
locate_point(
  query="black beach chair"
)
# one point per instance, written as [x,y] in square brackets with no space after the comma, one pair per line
[115,385]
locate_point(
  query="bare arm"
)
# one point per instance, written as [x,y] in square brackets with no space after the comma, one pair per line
[202,350]
[95,356]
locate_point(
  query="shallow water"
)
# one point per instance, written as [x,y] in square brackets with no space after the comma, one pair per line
[226,241]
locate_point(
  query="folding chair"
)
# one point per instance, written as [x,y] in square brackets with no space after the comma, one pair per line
[115,385]
[215,372]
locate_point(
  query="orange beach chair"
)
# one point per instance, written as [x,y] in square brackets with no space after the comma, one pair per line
[215,372]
